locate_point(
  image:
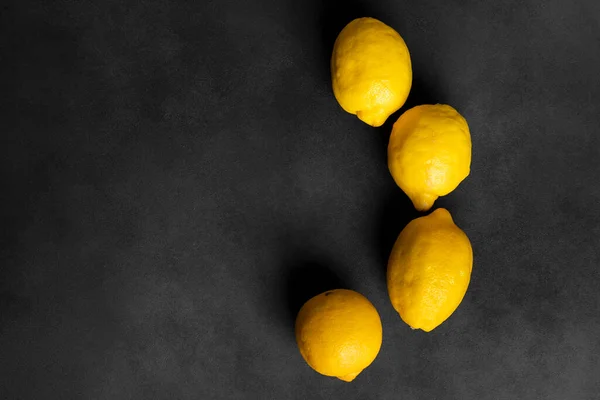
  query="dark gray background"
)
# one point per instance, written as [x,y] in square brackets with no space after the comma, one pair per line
[177,179]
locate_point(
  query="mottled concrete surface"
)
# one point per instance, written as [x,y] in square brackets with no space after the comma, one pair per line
[177,179]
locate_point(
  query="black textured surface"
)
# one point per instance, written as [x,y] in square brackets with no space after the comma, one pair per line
[178,178]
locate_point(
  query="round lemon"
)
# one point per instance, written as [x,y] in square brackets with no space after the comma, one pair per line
[429,270]
[429,153]
[371,71]
[339,333]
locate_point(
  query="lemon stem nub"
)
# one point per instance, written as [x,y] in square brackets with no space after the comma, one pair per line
[349,377]
[423,202]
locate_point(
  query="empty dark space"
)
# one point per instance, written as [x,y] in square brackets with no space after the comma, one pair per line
[178,179]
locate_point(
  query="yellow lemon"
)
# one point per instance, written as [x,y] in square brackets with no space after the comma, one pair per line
[370,70]
[429,270]
[429,153]
[339,333]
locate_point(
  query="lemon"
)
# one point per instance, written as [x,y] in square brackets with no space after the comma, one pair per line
[339,333]
[429,153]
[370,70]
[429,270]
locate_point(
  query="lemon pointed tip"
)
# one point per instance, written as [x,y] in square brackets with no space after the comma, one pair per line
[423,202]
[349,377]
[373,118]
